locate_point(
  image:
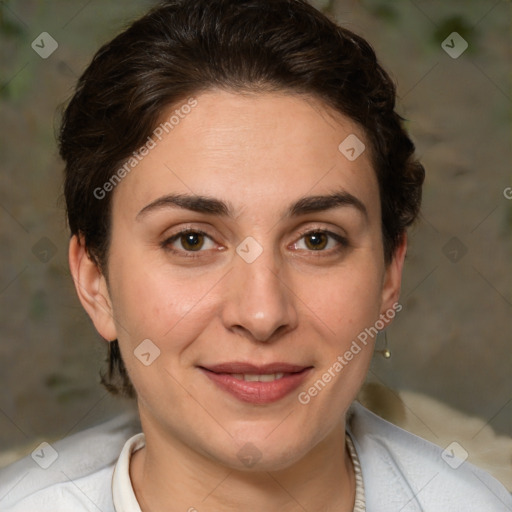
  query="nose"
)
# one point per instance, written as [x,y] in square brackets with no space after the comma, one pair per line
[260,304]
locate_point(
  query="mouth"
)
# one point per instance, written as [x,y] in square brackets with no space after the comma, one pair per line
[257,384]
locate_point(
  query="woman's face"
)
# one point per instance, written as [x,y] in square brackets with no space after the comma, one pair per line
[282,266]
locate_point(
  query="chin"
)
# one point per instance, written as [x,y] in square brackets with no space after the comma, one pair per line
[253,453]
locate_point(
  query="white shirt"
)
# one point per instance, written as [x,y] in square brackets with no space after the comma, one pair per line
[401,473]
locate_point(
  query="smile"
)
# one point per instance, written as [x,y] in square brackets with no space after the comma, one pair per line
[257,384]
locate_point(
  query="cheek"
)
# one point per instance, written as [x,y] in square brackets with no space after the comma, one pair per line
[154,303]
[170,310]
[346,301]
[346,305]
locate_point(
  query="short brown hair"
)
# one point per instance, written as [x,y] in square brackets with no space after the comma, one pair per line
[184,47]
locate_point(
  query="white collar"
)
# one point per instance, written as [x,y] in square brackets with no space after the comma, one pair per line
[122,490]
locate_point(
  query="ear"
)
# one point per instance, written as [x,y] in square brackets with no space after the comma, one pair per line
[393,277]
[91,288]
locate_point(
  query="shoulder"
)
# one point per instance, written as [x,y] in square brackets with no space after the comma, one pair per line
[402,471]
[74,473]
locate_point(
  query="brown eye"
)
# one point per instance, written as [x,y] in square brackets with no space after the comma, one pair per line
[321,241]
[316,240]
[192,241]
[188,241]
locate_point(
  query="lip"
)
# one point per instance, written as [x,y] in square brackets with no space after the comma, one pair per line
[240,367]
[257,392]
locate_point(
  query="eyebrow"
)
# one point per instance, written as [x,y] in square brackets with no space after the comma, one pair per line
[212,206]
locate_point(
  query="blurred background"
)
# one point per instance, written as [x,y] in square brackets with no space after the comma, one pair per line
[449,375]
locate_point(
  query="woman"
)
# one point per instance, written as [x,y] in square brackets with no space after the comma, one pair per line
[238,190]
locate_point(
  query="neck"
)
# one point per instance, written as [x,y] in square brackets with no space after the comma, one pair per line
[171,476]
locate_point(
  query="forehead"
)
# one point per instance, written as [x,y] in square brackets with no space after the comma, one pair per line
[264,149]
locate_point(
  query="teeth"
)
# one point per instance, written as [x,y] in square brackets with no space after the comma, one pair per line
[258,378]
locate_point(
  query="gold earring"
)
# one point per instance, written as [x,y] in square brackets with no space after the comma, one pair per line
[386,353]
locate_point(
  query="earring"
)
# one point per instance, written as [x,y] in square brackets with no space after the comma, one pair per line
[386,353]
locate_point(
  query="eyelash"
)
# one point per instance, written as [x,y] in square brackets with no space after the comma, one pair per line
[166,244]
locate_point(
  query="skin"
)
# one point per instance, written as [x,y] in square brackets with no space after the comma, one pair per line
[294,303]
